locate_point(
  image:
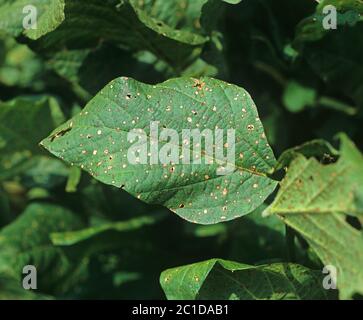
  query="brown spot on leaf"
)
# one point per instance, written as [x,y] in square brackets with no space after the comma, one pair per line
[60,134]
[198,84]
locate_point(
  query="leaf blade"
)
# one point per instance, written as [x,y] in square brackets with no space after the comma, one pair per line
[126,104]
[222,279]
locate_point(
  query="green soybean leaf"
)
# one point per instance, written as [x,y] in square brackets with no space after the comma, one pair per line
[221,279]
[337,244]
[313,200]
[97,141]
[312,188]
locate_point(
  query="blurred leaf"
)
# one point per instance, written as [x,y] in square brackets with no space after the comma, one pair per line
[74,237]
[24,121]
[232,1]
[209,230]
[333,60]
[106,203]
[132,28]
[5,215]
[26,241]
[20,65]
[333,54]
[13,14]
[73,179]
[297,97]
[349,13]
[171,32]
[188,15]
[263,239]
[79,67]
[44,172]
[178,14]
[118,250]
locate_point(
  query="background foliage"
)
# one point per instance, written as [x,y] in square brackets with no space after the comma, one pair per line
[93,240]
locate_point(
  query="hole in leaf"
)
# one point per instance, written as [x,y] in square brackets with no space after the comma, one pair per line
[354,222]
